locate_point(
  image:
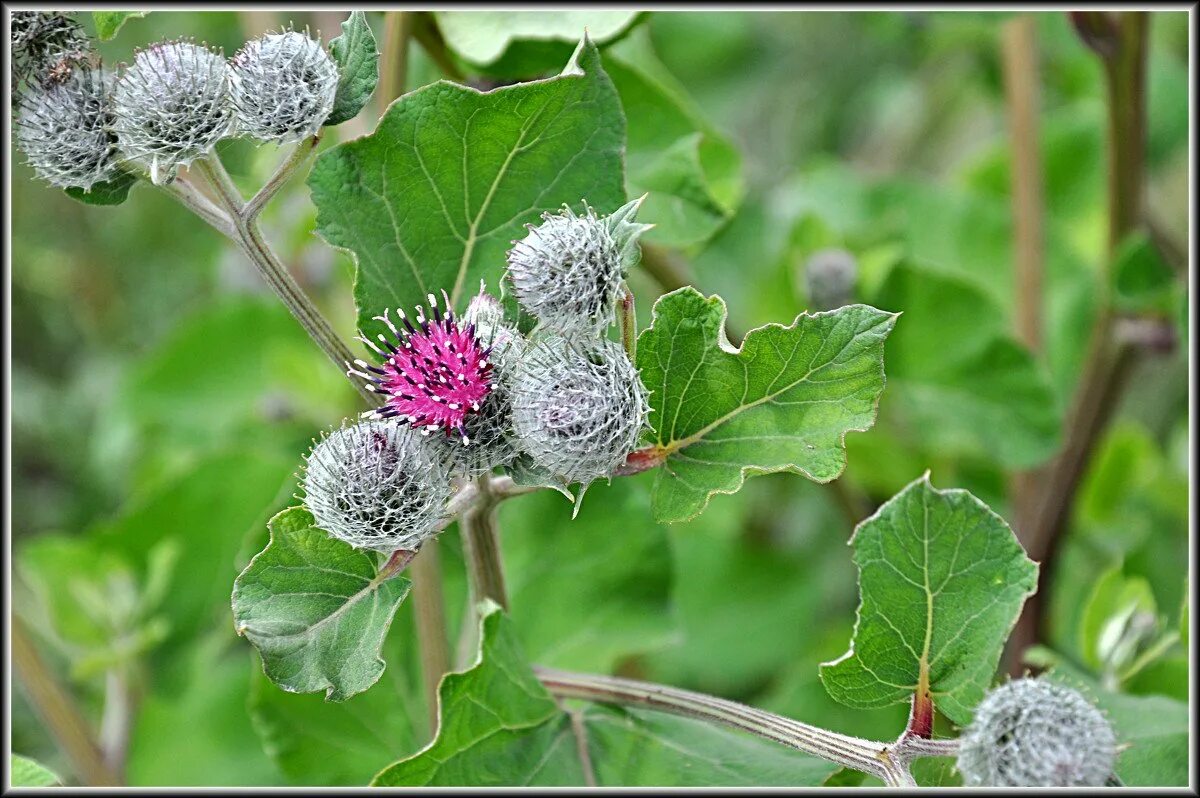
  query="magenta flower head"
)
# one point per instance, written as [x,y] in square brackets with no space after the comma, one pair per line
[434,374]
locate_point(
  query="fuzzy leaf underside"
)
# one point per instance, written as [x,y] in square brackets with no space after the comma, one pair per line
[357,58]
[499,727]
[316,609]
[481,37]
[784,401]
[942,579]
[434,197]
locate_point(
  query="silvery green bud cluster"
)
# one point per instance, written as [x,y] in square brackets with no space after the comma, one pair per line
[42,41]
[578,407]
[567,272]
[172,106]
[283,86]
[490,431]
[829,278]
[1034,733]
[63,129]
[377,485]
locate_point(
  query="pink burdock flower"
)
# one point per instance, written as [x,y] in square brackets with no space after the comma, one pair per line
[434,375]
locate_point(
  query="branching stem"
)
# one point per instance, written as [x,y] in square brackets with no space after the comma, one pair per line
[887,761]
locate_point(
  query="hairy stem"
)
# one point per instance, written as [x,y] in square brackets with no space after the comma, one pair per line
[481,548]
[887,761]
[429,610]
[195,201]
[117,721]
[297,158]
[58,711]
[248,236]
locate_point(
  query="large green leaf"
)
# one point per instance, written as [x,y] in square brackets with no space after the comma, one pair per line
[316,609]
[499,727]
[433,198]
[784,401]
[493,723]
[25,772]
[942,579]
[357,59]
[957,381]
[482,37]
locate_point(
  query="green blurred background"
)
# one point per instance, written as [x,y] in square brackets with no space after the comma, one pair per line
[161,398]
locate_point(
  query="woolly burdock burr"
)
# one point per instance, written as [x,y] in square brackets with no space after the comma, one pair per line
[172,106]
[376,485]
[63,129]
[43,40]
[1034,733]
[578,407]
[567,271]
[283,86]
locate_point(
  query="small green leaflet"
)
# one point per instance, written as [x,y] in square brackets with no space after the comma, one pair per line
[107,192]
[357,59]
[25,772]
[784,401]
[109,23]
[316,609]
[500,727]
[434,197]
[942,579]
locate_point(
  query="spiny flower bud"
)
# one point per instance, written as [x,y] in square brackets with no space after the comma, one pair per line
[433,376]
[829,278]
[1034,733]
[283,86]
[376,485]
[578,408]
[41,41]
[63,129]
[172,106]
[567,271]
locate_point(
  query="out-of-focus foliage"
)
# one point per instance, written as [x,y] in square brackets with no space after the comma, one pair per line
[162,399]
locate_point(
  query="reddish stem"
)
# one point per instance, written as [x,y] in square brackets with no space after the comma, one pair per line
[920,719]
[641,460]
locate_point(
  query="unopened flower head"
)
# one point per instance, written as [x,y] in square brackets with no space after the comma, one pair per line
[63,129]
[434,374]
[567,271]
[578,407]
[283,86]
[172,106]
[829,278]
[41,42]
[376,485]
[1034,733]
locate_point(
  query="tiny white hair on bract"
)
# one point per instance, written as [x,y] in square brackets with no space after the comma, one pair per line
[172,106]
[63,128]
[283,86]
[578,406]
[1034,733]
[377,485]
[567,271]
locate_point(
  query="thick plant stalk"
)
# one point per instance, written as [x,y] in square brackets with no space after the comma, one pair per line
[393,68]
[481,547]
[887,761]
[1121,45]
[58,711]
